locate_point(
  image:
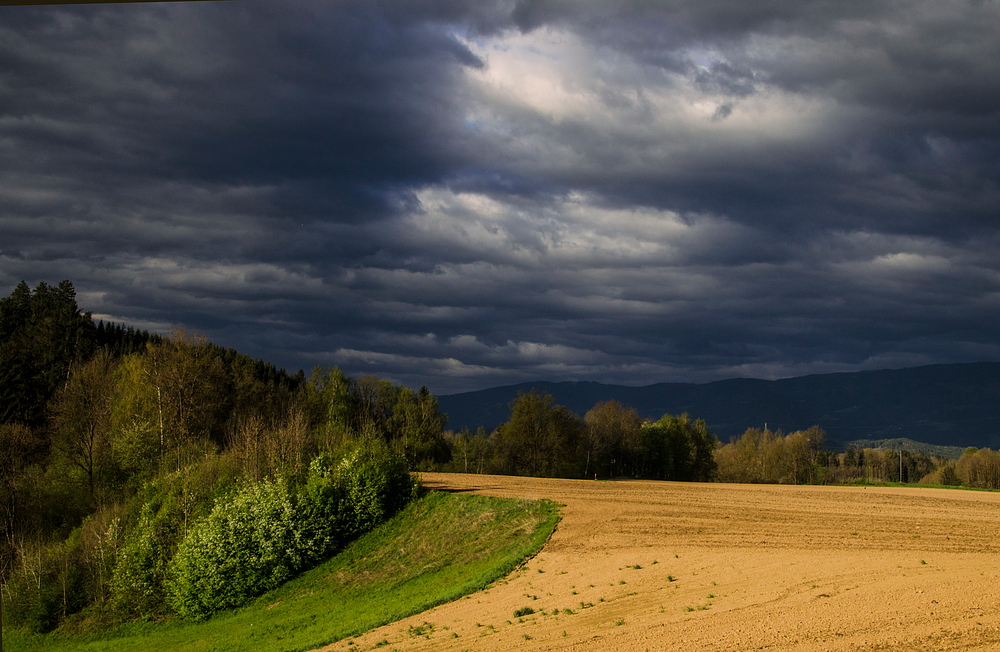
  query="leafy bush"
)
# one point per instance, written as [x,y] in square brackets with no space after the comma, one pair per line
[325,519]
[137,582]
[270,531]
[245,547]
[376,484]
[159,519]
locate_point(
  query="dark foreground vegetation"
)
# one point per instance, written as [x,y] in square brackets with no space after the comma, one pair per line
[148,478]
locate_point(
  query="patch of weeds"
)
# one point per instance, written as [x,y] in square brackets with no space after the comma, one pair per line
[922,561]
[601,600]
[540,570]
[619,622]
[454,634]
[671,578]
[525,637]
[621,582]
[586,605]
[523,611]
[568,612]
[854,534]
[575,593]
[533,597]
[565,634]
[655,562]
[383,643]
[421,630]
[711,596]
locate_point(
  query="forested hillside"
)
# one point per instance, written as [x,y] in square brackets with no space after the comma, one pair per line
[143,476]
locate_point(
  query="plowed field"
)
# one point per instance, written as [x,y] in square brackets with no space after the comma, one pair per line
[675,566]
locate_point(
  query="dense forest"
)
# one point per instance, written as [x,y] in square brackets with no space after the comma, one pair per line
[146,476]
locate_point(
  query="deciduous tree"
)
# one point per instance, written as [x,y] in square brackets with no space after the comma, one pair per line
[540,439]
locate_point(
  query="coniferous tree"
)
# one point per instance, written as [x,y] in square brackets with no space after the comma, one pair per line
[42,334]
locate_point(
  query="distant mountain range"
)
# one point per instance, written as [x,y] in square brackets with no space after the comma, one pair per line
[945,405]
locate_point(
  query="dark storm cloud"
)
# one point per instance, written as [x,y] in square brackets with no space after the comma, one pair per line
[468,193]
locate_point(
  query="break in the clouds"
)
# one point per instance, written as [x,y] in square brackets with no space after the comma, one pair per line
[467,193]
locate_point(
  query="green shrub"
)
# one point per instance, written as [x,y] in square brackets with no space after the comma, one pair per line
[376,484]
[245,547]
[160,517]
[266,533]
[326,522]
[137,581]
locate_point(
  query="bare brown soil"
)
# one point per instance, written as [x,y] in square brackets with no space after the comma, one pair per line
[679,566]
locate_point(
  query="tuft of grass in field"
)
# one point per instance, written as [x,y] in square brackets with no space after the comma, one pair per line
[440,548]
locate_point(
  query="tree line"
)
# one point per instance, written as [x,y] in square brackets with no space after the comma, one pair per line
[610,441]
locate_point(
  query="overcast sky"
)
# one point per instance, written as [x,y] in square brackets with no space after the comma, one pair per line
[466,193]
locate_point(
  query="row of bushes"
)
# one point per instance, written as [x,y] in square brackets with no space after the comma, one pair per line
[199,541]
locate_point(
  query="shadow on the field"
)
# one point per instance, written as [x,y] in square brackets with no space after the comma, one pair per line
[452,490]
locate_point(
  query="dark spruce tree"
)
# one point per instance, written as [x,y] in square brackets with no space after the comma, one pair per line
[42,333]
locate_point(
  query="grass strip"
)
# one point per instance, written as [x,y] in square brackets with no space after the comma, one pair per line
[441,547]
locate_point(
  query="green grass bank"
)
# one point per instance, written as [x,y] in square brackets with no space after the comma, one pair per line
[439,548]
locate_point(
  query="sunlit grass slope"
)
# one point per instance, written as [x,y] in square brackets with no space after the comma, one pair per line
[439,548]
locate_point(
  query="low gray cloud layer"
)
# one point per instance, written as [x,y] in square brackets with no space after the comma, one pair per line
[463,194]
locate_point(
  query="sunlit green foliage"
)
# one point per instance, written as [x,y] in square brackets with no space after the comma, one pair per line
[677,448]
[249,544]
[765,456]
